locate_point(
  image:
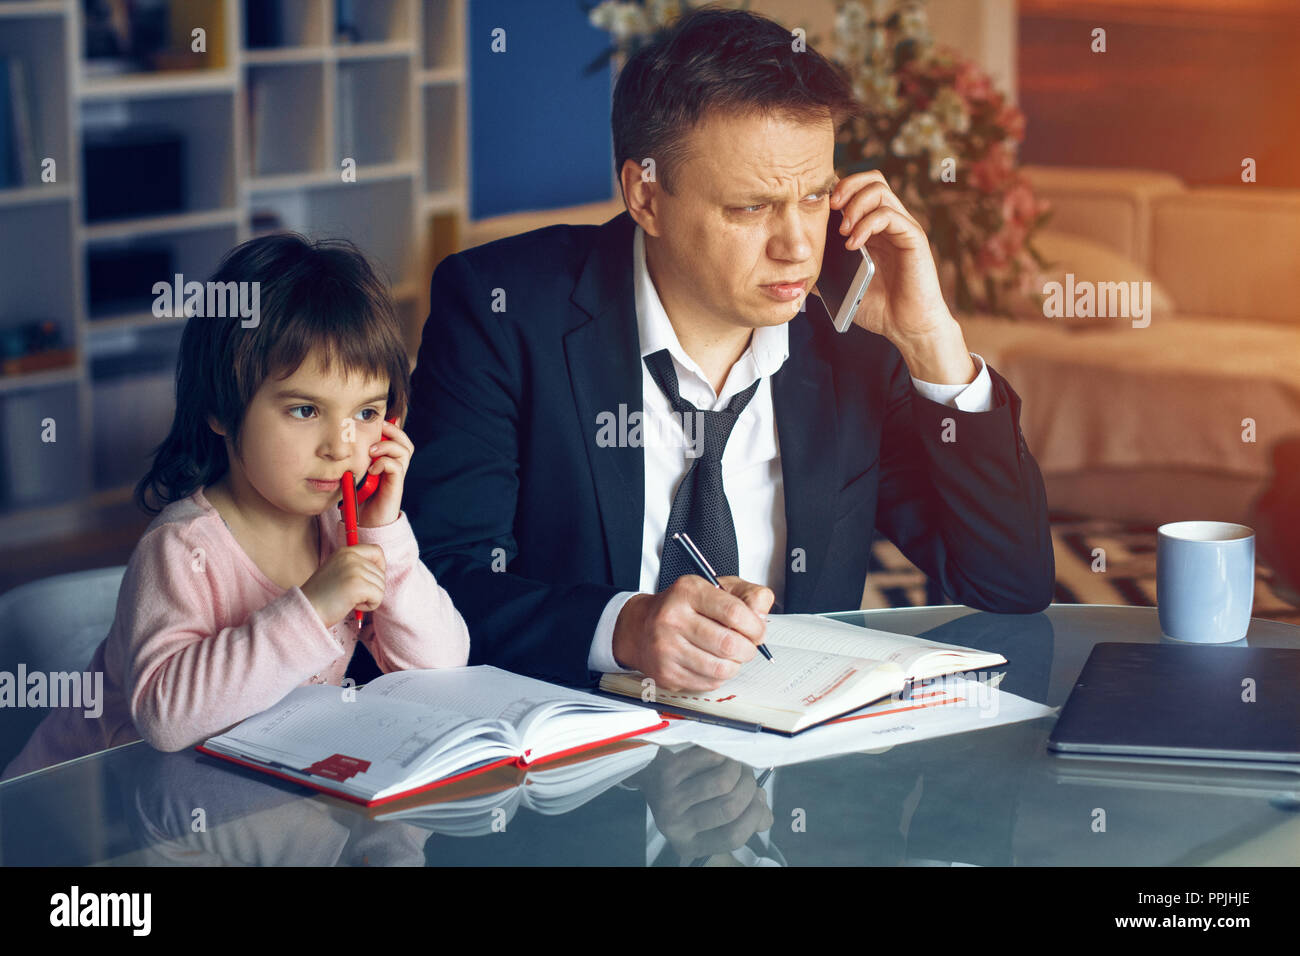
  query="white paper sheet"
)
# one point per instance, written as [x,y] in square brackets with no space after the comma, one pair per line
[950,705]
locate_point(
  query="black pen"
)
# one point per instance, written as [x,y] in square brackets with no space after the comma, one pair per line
[697,556]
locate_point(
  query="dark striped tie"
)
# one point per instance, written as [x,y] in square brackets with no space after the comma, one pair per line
[700,506]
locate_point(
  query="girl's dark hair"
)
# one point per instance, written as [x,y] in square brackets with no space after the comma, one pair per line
[711,59]
[312,295]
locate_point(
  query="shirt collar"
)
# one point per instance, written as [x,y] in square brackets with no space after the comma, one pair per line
[769,346]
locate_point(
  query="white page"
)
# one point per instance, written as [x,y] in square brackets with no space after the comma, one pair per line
[563,789]
[813,632]
[523,702]
[484,691]
[802,679]
[941,710]
[393,736]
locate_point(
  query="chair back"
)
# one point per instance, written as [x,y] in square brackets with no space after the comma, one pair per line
[53,624]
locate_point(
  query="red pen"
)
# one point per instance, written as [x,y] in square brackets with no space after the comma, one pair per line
[352,495]
[350,513]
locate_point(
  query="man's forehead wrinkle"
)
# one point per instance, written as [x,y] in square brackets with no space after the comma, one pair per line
[780,178]
[739,157]
[779,181]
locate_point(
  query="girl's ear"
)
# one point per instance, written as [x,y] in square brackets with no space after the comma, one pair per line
[216,426]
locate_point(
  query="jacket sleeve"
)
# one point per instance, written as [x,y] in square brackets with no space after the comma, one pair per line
[963,498]
[188,678]
[463,488]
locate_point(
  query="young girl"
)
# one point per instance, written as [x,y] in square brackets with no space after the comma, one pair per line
[242,588]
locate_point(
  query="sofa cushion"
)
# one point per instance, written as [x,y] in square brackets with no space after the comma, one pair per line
[1109,206]
[1090,261]
[1233,251]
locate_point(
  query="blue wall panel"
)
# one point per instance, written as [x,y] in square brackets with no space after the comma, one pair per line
[538,129]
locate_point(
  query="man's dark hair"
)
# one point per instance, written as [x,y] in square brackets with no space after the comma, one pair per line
[713,60]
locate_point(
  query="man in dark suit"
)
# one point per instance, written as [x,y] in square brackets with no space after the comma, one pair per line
[583,392]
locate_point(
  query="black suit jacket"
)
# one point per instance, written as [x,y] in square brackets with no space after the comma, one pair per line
[532,526]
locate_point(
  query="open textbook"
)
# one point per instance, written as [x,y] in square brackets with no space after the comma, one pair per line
[820,669]
[412,730]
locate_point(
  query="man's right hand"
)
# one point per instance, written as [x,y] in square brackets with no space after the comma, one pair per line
[693,636]
[704,803]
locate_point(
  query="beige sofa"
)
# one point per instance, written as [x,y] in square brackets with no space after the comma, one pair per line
[1140,424]
[1146,424]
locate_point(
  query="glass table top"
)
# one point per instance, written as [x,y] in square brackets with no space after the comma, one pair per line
[995,796]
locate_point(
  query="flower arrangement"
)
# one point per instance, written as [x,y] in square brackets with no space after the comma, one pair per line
[946,142]
[933,124]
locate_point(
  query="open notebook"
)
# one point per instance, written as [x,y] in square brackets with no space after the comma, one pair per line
[820,669]
[412,730]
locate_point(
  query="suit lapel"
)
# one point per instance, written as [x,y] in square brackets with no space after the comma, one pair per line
[604,359]
[603,355]
[803,396]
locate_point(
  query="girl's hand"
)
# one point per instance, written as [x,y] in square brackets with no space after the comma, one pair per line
[353,577]
[392,456]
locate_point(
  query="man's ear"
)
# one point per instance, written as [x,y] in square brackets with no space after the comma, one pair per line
[641,194]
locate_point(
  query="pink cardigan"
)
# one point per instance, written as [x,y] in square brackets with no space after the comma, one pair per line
[203,639]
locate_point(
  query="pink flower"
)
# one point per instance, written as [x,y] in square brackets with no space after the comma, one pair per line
[912,87]
[965,101]
[991,255]
[990,173]
[973,83]
[1012,120]
[1029,280]
[998,250]
[1018,203]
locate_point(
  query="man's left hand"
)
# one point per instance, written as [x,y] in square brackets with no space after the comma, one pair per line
[904,302]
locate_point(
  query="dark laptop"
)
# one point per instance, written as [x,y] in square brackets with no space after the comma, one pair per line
[1216,706]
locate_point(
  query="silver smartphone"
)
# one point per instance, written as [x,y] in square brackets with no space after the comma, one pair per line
[845,275]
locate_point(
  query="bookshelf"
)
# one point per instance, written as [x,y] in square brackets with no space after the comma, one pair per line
[266,126]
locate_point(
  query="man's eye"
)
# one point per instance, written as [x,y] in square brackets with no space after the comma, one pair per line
[297,407]
[753,209]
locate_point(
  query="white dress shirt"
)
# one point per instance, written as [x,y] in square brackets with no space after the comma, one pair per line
[751,463]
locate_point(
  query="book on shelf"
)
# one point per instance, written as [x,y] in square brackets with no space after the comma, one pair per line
[411,731]
[820,669]
[19,164]
[255,103]
[7,162]
[263,24]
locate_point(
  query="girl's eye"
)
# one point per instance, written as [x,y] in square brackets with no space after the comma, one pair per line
[374,412]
